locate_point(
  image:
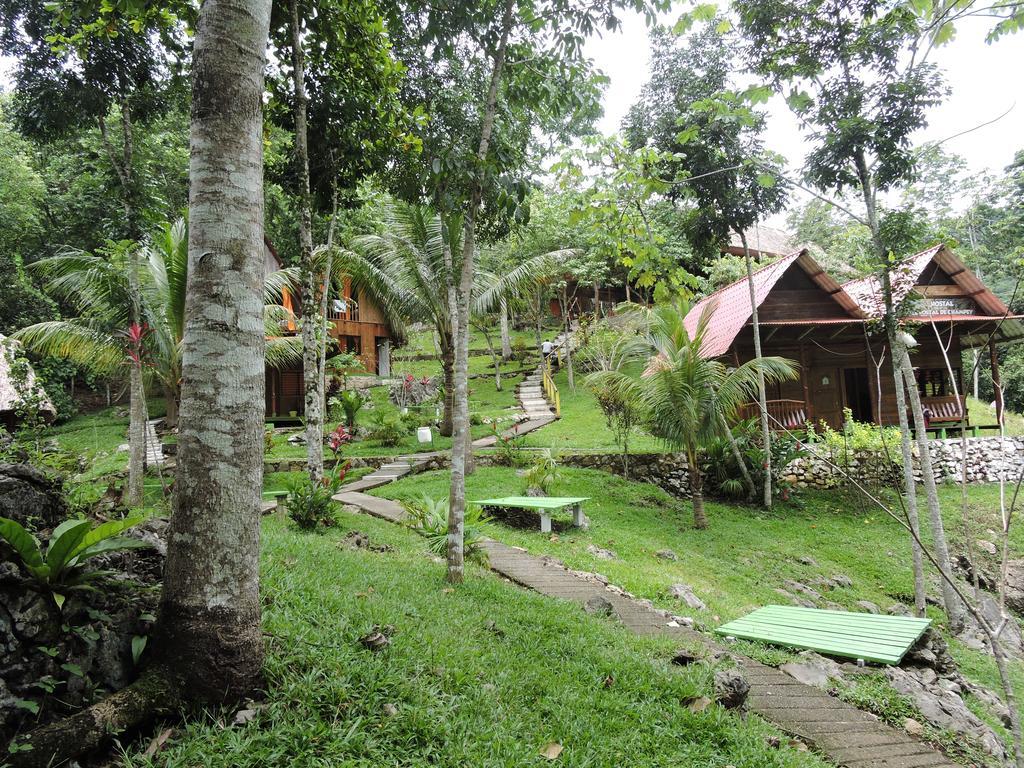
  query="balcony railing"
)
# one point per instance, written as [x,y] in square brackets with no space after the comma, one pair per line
[782,414]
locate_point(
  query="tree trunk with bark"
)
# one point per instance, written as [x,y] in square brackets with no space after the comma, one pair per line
[311,325]
[136,437]
[461,447]
[700,518]
[209,624]
[909,499]
[448,374]
[762,397]
[954,607]
[748,481]
[506,337]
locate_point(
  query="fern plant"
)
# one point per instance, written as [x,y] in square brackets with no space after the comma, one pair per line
[61,568]
[429,518]
[543,473]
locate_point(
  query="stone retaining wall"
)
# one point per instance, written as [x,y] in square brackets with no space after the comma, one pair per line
[988,460]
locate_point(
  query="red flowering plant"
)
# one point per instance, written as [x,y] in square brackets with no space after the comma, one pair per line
[336,441]
[135,335]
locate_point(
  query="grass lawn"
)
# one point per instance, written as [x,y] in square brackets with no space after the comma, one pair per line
[483,675]
[983,413]
[747,553]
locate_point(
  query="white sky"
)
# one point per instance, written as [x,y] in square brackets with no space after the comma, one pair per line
[984,81]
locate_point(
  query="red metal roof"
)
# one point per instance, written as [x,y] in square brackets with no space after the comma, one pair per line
[729,309]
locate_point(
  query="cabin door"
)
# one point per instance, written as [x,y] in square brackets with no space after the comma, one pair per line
[857,394]
[825,394]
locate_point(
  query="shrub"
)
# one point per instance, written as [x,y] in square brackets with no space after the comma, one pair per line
[519,350]
[310,505]
[389,428]
[73,542]
[351,402]
[509,448]
[268,439]
[429,518]
[476,419]
[543,473]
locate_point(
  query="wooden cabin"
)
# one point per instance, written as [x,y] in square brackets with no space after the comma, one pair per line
[357,326]
[834,335]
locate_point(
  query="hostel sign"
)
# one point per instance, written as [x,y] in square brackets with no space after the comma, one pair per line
[949,305]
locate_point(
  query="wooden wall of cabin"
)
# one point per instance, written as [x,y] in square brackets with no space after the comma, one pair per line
[834,373]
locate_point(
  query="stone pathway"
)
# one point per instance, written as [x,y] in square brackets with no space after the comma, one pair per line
[845,734]
[154,448]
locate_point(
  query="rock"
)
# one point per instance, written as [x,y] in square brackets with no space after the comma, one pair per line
[599,606]
[731,688]
[912,727]
[942,708]
[389,709]
[898,609]
[1015,585]
[986,546]
[807,560]
[803,589]
[601,553]
[31,498]
[814,670]
[666,554]
[840,580]
[868,606]
[684,592]
[535,493]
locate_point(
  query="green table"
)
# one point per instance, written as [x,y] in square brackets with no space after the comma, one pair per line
[862,636]
[543,504]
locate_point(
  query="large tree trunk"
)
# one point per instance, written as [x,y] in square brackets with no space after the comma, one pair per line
[209,624]
[506,337]
[762,396]
[461,440]
[311,330]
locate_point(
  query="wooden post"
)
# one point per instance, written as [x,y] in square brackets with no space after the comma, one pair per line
[996,384]
[808,406]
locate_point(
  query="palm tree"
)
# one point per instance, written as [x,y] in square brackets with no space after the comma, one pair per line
[687,398]
[97,285]
[405,271]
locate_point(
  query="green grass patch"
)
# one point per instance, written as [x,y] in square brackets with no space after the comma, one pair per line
[483,675]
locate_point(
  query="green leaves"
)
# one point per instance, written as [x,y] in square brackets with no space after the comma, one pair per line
[71,544]
[23,543]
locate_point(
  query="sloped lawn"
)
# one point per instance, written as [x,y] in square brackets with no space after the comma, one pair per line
[483,675]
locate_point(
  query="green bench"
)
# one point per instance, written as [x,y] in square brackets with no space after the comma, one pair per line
[860,636]
[545,505]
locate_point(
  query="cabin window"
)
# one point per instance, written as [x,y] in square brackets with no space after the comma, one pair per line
[351,344]
[935,382]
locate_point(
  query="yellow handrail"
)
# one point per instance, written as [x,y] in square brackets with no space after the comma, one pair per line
[551,389]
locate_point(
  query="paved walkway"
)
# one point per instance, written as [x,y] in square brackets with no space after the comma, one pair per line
[843,733]
[154,448]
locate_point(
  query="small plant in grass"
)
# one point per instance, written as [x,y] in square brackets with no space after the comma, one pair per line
[389,428]
[268,439]
[519,350]
[310,505]
[61,568]
[509,448]
[351,402]
[543,473]
[429,518]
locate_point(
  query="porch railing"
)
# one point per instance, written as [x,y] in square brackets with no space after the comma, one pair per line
[782,414]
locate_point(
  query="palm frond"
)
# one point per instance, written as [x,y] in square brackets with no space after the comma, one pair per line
[75,340]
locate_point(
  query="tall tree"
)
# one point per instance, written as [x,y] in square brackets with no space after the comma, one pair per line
[71,69]
[709,137]
[210,607]
[341,87]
